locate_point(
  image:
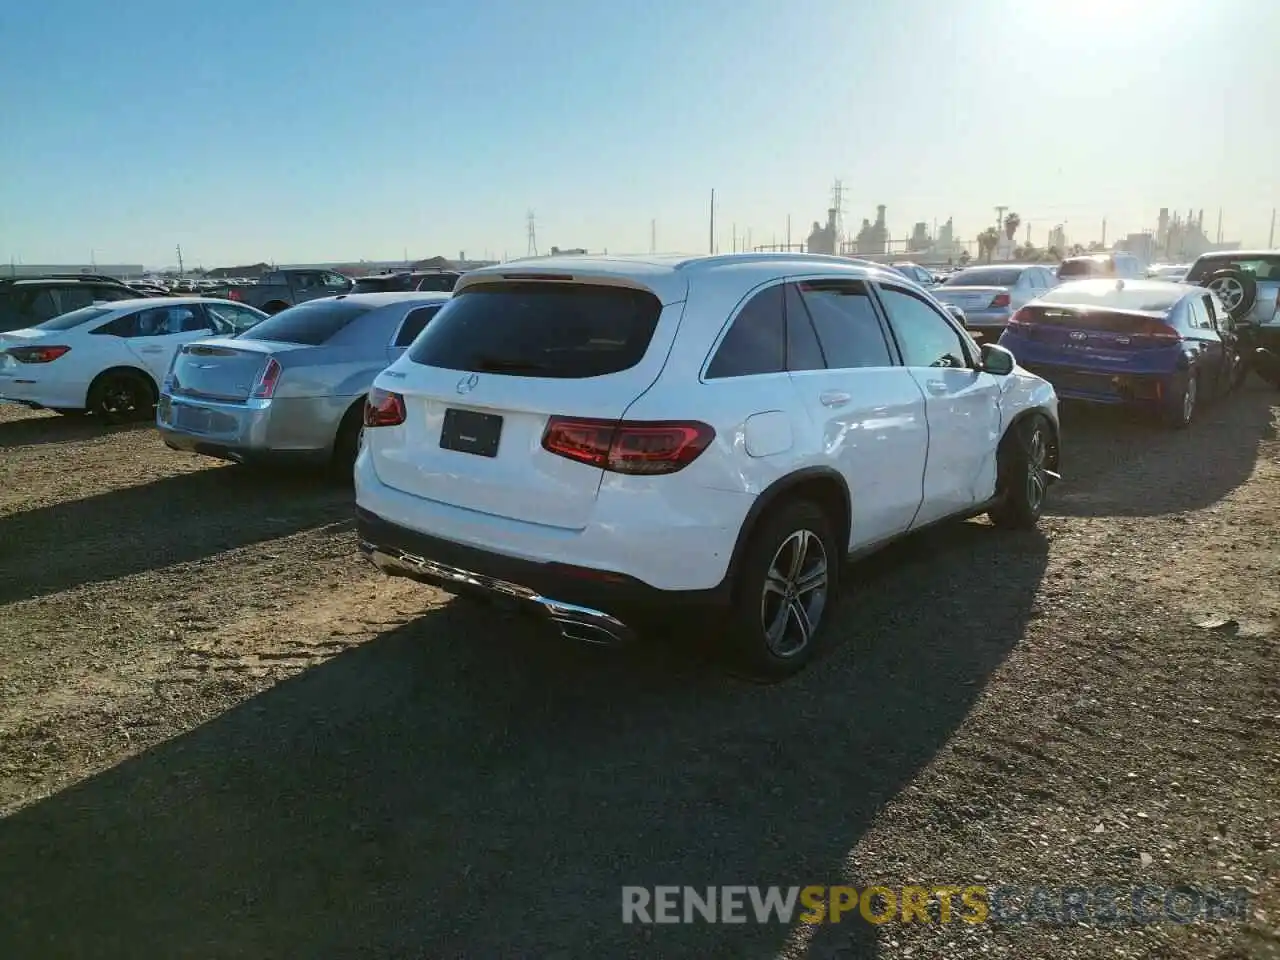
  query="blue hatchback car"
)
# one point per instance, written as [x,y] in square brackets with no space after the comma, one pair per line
[1168,346]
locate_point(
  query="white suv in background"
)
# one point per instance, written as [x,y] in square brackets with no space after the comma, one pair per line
[617,441]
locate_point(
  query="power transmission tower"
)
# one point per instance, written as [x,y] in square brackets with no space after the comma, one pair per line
[181,269]
[533,235]
[1000,219]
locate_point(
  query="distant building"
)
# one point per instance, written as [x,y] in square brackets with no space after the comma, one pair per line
[573,251]
[1178,239]
[120,271]
[1058,239]
[823,239]
[873,237]
[920,240]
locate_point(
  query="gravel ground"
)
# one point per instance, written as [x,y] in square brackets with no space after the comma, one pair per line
[222,735]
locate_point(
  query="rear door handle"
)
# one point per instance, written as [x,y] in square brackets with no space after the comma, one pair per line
[152,350]
[834,398]
[936,387]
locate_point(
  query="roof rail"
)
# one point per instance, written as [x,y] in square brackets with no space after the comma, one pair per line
[100,277]
[767,255]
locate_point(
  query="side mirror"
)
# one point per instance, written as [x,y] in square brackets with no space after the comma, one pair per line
[957,313]
[997,360]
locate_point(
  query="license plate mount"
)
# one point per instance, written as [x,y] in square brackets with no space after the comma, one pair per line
[470,431]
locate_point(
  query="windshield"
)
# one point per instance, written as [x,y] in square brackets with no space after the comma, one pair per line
[984,277]
[1148,296]
[74,318]
[311,323]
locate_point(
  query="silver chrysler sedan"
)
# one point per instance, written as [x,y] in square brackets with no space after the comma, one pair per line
[291,388]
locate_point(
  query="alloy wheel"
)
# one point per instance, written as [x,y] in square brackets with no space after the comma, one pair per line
[1230,291]
[795,593]
[1037,468]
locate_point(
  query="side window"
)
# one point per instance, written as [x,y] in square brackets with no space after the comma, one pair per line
[926,338]
[1199,318]
[41,305]
[126,326]
[111,294]
[335,281]
[414,324]
[756,343]
[848,328]
[803,350]
[231,319]
[73,298]
[165,321]
[189,320]
[1211,311]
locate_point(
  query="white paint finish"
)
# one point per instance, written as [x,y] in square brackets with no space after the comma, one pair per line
[904,453]
[768,434]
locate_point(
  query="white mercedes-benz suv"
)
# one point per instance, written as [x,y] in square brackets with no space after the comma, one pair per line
[616,442]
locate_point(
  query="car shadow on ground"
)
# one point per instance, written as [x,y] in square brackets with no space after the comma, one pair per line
[467,785]
[33,430]
[1123,463]
[177,519]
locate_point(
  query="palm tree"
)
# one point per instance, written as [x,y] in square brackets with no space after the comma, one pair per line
[987,242]
[1011,224]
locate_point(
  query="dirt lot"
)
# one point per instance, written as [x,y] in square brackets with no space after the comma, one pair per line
[222,735]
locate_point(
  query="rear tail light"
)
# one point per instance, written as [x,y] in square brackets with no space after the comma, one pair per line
[382,408]
[37,354]
[1157,330]
[1001,300]
[635,447]
[267,380]
[234,294]
[1021,318]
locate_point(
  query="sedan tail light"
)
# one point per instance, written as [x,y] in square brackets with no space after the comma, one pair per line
[1157,330]
[1001,300]
[382,408]
[1021,318]
[234,294]
[265,388]
[635,447]
[37,354]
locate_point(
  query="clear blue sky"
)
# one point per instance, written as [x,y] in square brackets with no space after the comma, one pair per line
[326,131]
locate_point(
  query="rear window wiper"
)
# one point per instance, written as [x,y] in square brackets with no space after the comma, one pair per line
[507,365]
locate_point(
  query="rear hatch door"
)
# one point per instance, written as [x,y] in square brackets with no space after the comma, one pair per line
[498,361]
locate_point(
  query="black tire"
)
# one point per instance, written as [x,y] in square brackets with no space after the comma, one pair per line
[1022,484]
[346,446]
[1180,409]
[766,586]
[1234,282]
[122,396]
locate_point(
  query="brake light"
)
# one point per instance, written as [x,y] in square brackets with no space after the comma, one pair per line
[267,380]
[1156,330]
[635,447]
[234,294]
[37,354]
[382,408]
[1021,318]
[1001,300]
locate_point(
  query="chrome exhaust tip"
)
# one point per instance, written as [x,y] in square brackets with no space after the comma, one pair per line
[589,633]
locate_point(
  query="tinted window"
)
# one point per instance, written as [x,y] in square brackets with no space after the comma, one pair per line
[74,318]
[756,343]
[308,323]
[73,298]
[926,339]
[540,329]
[41,305]
[438,282]
[1079,268]
[846,322]
[166,321]
[1263,268]
[113,293]
[1197,315]
[985,277]
[414,324]
[380,284]
[803,350]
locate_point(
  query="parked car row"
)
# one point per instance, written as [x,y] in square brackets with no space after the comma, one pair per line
[614,442]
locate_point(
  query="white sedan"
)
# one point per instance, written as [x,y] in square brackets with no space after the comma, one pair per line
[110,358]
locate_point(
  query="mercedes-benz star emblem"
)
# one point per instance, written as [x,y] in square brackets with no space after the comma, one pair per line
[467,384]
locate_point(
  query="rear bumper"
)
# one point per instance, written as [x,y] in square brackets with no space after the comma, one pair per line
[295,431]
[1102,386]
[38,391]
[585,604]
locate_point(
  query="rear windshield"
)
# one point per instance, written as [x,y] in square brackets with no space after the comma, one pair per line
[380,284]
[74,318]
[540,329]
[1148,296]
[310,323]
[1080,268]
[984,277]
[438,282]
